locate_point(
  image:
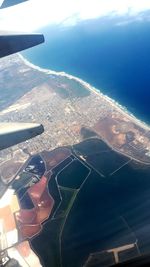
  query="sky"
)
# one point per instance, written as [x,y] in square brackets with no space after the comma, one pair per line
[35,14]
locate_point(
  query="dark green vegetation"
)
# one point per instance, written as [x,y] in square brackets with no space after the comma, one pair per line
[100,204]
[68,88]
[100,156]
[89,147]
[87,133]
[30,174]
[108,212]
[66,195]
[73,175]
[10,90]
[24,180]
[46,244]
[36,166]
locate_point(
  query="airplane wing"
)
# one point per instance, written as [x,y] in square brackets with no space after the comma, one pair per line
[13,43]
[14,133]
[8,3]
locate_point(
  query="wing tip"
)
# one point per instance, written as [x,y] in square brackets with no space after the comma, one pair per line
[8,3]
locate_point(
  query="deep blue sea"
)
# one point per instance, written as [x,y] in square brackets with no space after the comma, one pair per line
[113,58]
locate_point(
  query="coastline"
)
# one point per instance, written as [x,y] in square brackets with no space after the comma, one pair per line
[91,88]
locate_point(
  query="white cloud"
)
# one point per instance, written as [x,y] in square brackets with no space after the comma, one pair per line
[34,14]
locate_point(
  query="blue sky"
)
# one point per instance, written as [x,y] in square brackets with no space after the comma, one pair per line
[34,14]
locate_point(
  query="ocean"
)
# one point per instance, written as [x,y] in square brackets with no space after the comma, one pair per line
[110,54]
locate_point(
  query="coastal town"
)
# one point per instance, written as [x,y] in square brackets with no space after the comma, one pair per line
[65,105]
[89,142]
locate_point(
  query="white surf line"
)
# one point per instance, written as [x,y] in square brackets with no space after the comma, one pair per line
[91,88]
